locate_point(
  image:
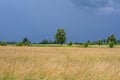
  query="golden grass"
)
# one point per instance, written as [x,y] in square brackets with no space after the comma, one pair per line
[62,63]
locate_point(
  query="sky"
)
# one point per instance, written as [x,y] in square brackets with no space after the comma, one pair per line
[37,20]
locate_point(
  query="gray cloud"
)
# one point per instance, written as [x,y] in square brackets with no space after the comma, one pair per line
[105,6]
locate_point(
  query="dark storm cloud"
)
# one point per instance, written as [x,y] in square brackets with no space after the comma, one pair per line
[99,5]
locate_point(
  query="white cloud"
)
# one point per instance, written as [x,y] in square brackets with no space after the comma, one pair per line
[106,10]
[103,6]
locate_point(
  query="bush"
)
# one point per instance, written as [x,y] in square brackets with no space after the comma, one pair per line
[3,43]
[70,44]
[111,44]
[20,44]
[86,45]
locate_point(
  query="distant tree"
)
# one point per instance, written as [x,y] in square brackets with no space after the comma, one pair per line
[76,42]
[80,43]
[86,44]
[11,42]
[26,42]
[118,41]
[111,38]
[60,36]
[3,43]
[70,44]
[88,41]
[50,42]
[111,41]
[94,43]
[104,41]
[46,42]
[20,44]
[99,42]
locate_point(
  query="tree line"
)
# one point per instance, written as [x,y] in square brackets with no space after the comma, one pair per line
[60,38]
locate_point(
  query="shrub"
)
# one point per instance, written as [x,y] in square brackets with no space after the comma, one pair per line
[3,43]
[111,44]
[70,44]
[86,45]
[20,44]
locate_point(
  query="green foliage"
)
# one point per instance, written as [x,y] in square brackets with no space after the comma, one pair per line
[60,36]
[46,42]
[111,41]
[88,41]
[118,42]
[26,42]
[70,44]
[99,42]
[111,44]
[3,43]
[12,43]
[86,45]
[20,44]
[111,38]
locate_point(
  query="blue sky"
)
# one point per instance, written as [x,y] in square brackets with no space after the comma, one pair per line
[39,19]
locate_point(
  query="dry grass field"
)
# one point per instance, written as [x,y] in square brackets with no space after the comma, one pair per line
[59,63]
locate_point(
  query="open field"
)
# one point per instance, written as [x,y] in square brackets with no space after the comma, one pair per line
[59,63]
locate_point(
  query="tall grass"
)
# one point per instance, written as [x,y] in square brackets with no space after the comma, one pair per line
[59,63]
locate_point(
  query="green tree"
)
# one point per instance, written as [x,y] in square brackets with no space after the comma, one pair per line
[111,38]
[118,41]
[3,43]
[60,36]
[88,41]
[111,41]
[99,42]
[104,41]
[70,44]
[26,42]
[44,42]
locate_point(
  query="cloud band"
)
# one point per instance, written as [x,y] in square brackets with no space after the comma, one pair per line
[98,5]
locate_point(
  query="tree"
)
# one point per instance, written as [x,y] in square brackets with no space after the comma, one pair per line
[111,40]
[26,42]
[3,43]
[44,42]
[104,41]
[118,41]
[99,42]
[60,36]
[88,42]
[70,44]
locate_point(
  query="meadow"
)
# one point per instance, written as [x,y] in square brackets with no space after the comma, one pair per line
[59,63]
